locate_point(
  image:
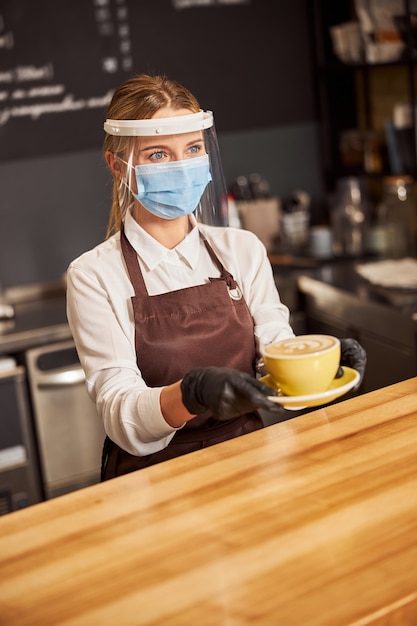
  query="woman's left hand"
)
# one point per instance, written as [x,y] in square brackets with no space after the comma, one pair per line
[354,356]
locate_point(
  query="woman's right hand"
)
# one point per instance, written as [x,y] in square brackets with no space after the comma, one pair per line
[225,392]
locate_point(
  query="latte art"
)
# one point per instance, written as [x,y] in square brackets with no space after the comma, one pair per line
[298,346]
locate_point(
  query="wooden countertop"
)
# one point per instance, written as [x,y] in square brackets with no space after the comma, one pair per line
[312,521]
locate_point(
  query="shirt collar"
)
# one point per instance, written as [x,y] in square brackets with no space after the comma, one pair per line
[152,253]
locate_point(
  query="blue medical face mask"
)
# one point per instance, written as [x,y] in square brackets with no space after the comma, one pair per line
[172,189]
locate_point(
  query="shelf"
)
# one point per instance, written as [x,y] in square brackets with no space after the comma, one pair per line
[357,96]
[338,66]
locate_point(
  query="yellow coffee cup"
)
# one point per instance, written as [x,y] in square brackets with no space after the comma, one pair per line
[303,365]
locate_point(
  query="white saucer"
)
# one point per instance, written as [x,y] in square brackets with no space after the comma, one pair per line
[338,387]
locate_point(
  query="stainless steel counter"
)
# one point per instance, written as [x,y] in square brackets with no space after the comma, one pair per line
[341,274]
[68,434]
[35,323]
[334,299]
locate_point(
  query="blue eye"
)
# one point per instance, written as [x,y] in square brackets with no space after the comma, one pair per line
[157,156]
[195,149]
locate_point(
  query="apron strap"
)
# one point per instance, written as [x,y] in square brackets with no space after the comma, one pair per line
[225,275]
[107,450]
[132,264]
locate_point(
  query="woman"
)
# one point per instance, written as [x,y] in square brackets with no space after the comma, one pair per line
[169,314]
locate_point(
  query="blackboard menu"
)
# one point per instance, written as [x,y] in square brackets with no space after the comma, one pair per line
[60,61]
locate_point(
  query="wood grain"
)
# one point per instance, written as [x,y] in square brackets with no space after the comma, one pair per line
[309,522]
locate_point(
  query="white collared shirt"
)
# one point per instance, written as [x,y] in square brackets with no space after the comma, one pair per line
[100,316]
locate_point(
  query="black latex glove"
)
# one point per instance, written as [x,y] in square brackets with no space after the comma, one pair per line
[354,356]
[225,392]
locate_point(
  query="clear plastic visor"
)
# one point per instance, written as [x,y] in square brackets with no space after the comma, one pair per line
[168,140]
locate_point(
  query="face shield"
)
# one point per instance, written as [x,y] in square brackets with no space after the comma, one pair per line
[171,166]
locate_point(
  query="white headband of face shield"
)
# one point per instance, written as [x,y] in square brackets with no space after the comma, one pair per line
[160,126]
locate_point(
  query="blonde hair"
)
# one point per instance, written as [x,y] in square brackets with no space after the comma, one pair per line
[140,98]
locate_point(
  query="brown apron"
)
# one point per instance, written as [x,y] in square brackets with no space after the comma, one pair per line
[199,326]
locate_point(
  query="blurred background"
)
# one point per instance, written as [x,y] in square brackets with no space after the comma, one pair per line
[314,104]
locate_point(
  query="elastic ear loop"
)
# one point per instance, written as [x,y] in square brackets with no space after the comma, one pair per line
[126,187]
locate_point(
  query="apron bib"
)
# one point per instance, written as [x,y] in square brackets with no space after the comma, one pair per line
[205,325]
